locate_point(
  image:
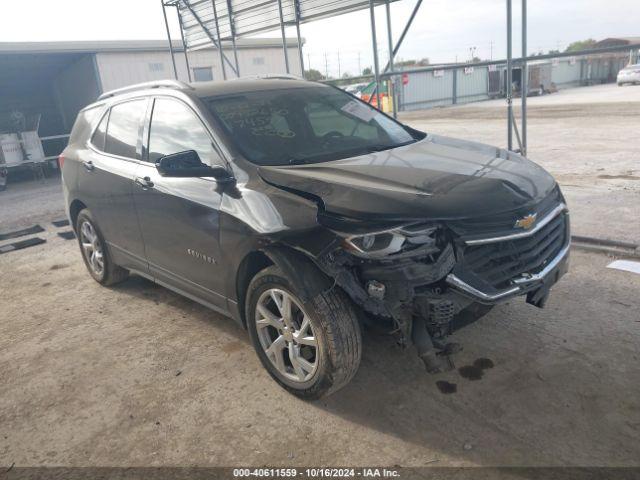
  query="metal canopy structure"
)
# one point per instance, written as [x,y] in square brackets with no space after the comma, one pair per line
[226,19]
[204,23]
[211,22]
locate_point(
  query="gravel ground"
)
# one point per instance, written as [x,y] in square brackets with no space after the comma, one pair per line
[135,375]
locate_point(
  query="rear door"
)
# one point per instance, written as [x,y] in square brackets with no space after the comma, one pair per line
[179,217]
[106,180]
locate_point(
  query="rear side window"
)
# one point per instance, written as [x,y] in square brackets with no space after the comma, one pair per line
[84,123]
[176,128]
[123,130]
[98,136]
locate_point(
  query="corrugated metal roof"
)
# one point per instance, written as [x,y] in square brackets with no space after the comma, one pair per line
[251,16]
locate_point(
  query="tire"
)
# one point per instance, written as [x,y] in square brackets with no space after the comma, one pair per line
[110,273]
[333,326]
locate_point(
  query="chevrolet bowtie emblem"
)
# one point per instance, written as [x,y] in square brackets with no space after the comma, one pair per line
[526,222]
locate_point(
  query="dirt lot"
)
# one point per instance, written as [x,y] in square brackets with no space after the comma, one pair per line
[136,375]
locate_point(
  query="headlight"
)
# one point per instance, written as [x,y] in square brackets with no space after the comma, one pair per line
[388,242]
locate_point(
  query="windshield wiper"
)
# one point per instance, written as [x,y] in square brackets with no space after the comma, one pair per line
[378,148]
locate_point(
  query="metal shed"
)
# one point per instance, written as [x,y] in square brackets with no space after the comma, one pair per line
[52,81]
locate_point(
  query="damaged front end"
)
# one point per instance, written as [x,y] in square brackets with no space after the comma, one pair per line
[424,279]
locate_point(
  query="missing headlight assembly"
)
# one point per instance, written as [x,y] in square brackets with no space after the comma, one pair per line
[397,275]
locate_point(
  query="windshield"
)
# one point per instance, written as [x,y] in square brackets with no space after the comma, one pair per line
[305,125]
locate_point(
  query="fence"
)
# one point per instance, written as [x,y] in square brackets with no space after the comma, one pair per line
[433,87]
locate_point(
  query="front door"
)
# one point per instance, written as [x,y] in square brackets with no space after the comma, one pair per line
[179,217]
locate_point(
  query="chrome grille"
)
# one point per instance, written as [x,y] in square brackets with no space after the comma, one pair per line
[499,262]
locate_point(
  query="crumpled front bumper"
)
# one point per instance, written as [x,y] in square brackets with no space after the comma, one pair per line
[543,279]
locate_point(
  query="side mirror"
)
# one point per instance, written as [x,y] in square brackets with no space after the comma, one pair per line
[188,164]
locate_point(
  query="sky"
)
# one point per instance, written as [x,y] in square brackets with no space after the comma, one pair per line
[443,31]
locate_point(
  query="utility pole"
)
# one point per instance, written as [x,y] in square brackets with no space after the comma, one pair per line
[491,50]
[339,71]
[359,65]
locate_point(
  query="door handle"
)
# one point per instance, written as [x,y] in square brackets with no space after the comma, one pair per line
[88,164]
[144,182]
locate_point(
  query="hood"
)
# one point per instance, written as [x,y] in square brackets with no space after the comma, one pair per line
[437,178]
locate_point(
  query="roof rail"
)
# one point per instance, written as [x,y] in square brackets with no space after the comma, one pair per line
[175,84]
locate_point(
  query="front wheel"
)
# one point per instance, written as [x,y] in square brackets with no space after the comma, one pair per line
[311,349]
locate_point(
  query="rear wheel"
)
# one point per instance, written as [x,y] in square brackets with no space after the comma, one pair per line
[311,349]
[94,252]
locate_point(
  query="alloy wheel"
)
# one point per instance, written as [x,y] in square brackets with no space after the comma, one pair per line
[286,335]
[92,248]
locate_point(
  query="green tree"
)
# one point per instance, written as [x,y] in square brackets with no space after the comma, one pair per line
[313,75]
[581,45]
[367,71]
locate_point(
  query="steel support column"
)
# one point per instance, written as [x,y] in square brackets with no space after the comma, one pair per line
[233,36]
[524,82]
[221,53]
[391,80]
[376,65]
[284,37]
[166,24]
[454,86]
[405,30]
[509,88]
[402,35]
[296,5]
[216,43]
[184,45]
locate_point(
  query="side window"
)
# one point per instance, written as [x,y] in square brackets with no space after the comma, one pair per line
[175,128]
[98,136]
[124,127]
[324,118]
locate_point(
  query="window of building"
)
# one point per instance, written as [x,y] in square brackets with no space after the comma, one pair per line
[176,128]
[202,74]
[258,60]
[156,67]
[124,128]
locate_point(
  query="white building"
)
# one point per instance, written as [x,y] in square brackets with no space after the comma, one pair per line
[57,79]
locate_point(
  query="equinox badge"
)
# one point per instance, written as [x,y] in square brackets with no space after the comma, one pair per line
[526,222]
[200,256]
